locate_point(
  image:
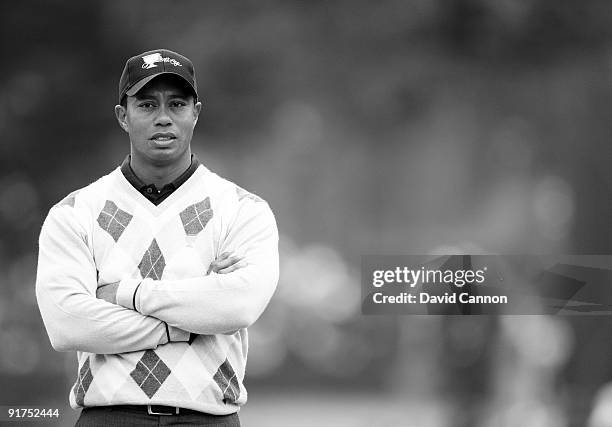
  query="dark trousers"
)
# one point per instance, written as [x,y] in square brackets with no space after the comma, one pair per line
[112,416]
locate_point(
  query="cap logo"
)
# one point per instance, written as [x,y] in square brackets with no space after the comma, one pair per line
[150,60]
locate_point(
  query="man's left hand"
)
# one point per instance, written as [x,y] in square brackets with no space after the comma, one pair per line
[108,292]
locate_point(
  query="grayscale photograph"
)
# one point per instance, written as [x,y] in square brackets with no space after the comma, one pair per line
[297,214]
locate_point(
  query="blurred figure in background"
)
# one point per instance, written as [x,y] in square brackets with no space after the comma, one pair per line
[601,415]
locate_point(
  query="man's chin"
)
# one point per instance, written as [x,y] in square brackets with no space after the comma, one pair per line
[164,156]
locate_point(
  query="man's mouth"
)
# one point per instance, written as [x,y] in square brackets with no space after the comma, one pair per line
[162,137]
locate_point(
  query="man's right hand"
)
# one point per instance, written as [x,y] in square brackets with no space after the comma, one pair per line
[226,264]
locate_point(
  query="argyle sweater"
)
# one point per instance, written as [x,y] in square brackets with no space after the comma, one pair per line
[177,335]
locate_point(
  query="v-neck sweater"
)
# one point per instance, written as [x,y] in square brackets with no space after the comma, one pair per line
[177,335]
[150,191]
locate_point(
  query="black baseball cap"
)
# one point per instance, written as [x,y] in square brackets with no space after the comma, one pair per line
[141,69]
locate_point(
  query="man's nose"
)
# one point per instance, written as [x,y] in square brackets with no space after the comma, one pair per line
[163,118]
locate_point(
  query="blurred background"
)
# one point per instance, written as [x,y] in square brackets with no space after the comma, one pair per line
[390,127]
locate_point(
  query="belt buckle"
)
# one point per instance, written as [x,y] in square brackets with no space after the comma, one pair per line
[152,412]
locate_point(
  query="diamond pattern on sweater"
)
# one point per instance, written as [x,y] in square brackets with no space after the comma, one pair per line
[83,382]
[242,193]
[192,374]
[68,200]
[150,373]
[152,264]
[196,216]
[226,379]
[113,220]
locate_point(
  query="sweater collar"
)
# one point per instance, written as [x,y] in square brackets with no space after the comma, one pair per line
[141,186]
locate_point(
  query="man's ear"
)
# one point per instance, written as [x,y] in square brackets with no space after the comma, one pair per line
[121,114]
[196,112]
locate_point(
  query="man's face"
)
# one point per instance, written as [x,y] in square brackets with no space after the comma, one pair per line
[160,120]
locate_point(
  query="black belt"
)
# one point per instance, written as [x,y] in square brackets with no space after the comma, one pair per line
[162,410]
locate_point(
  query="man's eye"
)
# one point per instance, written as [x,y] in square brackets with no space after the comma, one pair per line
[146,105]
[178,104]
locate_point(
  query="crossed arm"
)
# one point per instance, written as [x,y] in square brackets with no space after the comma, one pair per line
[231,297]
[226,263]
[66,283]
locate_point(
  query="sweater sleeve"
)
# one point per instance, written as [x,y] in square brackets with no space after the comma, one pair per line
[220,303]
[66,286]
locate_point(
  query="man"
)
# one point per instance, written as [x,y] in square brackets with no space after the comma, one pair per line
[153,272]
